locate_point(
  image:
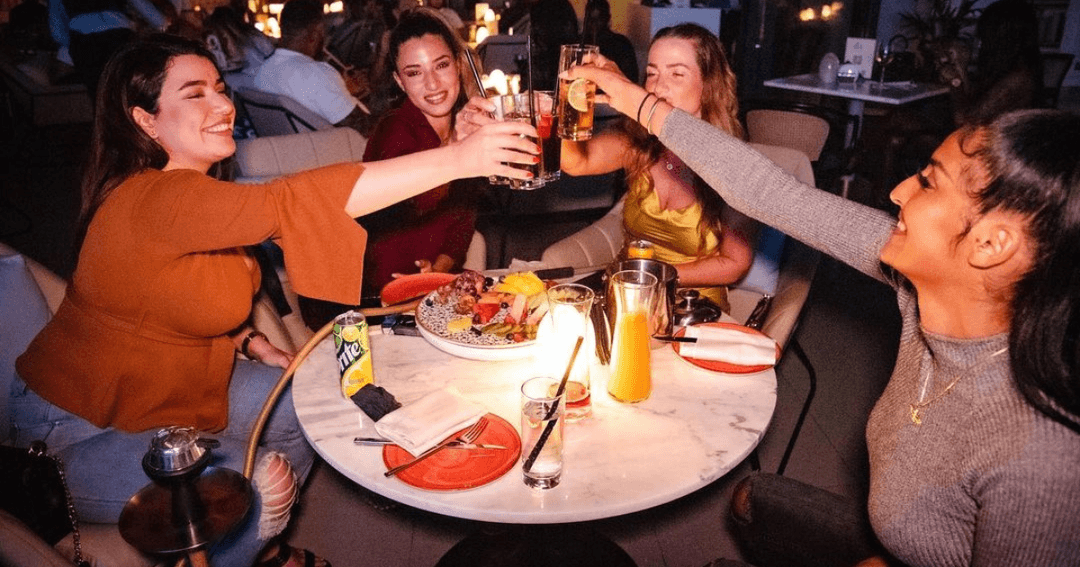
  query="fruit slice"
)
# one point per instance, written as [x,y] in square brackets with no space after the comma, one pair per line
[458,325]
[578,95]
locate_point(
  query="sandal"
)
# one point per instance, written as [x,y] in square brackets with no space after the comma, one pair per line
[286,552]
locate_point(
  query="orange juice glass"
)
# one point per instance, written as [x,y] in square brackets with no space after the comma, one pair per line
[631,377]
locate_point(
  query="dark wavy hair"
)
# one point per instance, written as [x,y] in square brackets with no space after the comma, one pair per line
[118,147]
[1033,161]
[415,24]
[719,107]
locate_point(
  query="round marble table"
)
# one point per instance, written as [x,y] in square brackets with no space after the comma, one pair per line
[696,426]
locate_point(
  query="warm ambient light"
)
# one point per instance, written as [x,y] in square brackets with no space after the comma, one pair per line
[806,15]
[481,34]
[275,8]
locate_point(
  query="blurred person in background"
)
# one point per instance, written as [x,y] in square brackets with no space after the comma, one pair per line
[614,46]
[295,71]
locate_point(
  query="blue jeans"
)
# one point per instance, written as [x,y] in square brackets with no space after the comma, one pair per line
[104,466]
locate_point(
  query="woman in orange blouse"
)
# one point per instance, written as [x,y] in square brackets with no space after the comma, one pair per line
[159,301]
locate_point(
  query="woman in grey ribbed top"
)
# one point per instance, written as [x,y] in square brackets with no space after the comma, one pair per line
[969,466]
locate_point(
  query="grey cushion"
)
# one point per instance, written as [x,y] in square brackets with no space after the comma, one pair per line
[23,313]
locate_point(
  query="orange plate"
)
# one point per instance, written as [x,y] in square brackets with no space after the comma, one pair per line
[461,469]
[720,366]
[413,286]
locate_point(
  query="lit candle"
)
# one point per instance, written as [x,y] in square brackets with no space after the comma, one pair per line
[481,34]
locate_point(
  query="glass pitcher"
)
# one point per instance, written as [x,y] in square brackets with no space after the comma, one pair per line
[631,378]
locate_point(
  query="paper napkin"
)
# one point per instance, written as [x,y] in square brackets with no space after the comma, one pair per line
[729,345]
[420,425]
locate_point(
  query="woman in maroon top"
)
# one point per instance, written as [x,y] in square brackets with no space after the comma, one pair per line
[430,232]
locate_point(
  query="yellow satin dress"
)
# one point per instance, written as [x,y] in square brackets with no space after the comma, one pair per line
[673,232]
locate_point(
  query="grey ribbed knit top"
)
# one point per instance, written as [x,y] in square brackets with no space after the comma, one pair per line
[986,479]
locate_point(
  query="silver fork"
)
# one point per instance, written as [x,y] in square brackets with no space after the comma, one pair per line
[469,436]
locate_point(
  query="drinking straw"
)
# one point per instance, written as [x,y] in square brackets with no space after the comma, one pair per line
[584,28]
[529,72]
[475,73]
[551,412]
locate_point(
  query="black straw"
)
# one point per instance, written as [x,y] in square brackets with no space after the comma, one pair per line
[584,29]
[551,412]
[529,72]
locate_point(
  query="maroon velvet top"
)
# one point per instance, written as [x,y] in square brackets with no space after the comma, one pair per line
[440,221]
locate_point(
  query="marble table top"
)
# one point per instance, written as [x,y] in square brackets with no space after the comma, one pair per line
[696,426]
[889,93]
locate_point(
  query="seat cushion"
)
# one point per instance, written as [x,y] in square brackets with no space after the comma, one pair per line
[23,313]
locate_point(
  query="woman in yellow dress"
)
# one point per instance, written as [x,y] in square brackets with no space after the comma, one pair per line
[710,244]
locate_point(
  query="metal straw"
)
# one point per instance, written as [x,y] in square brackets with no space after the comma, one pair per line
[475,73]
[551,412]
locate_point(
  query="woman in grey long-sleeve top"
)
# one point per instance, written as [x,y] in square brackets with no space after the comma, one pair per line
[975,443]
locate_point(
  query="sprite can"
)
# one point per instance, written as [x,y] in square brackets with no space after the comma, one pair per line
[353,348]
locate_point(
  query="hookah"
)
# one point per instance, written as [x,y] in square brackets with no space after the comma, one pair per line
[189,505]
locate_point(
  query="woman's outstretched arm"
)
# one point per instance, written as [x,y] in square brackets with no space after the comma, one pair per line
[754,185]
[487,151]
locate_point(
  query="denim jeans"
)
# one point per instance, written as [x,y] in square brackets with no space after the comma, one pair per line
[792,524]
[104,465]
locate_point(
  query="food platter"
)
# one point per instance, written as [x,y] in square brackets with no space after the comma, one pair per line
[432,318]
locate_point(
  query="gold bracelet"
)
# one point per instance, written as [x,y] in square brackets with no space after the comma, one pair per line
[247,342]
[648,120]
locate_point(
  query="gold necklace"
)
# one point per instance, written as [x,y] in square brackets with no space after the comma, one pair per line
[918,406]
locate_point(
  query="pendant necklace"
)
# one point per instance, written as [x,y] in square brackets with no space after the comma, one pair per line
[917,407]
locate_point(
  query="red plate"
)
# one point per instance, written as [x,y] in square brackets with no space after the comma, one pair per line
[461,469]
[413,286]
[720,366]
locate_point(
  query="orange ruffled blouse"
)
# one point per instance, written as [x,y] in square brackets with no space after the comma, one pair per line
[140,339]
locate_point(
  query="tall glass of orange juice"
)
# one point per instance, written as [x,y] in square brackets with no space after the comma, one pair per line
[631,378]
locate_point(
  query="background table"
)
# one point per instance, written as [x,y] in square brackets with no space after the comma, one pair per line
[696,427]
[860,93]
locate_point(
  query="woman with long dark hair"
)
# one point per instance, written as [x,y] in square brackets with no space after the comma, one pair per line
[667,204]
[159,302]
[430,232]
[975,444]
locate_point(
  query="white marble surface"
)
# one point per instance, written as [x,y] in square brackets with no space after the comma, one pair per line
[865,91]
[696,426]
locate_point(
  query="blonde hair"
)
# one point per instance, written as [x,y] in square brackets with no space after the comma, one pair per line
[719,107]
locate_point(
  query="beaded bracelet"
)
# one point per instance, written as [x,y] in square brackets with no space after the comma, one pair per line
[648,121]
[247,342]
[642,105]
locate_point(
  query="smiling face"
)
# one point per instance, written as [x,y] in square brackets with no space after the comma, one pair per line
[936,211]
[673,74]
[194,121]
[428,74]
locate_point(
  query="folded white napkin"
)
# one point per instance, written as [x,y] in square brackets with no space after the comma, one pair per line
[420,425]
[729,345]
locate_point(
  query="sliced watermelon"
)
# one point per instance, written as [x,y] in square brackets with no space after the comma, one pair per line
[413,286]
[485,311]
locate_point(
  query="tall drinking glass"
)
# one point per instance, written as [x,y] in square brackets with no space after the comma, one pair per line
[541,409]
[631,377]
[570,305]
[515,108]
[576,96]
[547,122]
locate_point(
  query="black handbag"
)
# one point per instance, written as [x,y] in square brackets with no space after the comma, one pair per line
[34,490]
